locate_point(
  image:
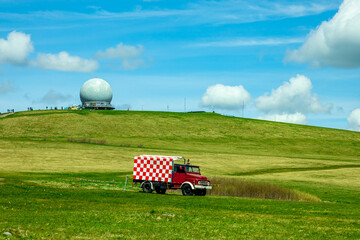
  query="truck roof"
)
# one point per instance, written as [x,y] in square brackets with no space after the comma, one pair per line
[158,157]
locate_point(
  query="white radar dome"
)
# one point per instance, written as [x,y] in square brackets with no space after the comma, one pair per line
[96,90]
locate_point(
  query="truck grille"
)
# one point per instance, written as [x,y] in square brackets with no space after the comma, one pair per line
[203,183]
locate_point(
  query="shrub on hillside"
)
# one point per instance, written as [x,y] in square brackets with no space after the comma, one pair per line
[242,188]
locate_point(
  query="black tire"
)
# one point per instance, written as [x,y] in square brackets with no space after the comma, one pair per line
[160,191]
[186,190]
[147,187]
[200,192]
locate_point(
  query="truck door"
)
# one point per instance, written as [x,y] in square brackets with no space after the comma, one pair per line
[178,175]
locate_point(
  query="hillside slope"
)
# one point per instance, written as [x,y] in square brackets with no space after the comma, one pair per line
[324,162]
[204,132]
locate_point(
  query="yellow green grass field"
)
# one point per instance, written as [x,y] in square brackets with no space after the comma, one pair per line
[43,151]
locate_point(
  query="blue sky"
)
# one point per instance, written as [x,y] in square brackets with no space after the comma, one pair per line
[218,55]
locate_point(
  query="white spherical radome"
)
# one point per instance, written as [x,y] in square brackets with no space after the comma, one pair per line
[96,90]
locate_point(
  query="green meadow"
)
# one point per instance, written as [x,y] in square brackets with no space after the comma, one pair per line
[43,152]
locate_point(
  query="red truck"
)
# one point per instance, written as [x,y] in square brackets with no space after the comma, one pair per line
[160,173]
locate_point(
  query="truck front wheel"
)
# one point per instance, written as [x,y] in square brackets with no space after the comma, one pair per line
[186,190]
[147,187]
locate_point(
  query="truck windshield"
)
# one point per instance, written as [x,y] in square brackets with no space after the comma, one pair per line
[192,169]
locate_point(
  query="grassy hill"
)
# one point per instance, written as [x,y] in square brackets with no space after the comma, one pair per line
[42,150]
[184,131]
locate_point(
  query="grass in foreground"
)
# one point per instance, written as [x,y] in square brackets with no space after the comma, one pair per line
[32,211]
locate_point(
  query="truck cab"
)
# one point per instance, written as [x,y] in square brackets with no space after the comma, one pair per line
[189,179]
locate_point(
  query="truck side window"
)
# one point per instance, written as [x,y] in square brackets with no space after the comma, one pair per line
[179,169]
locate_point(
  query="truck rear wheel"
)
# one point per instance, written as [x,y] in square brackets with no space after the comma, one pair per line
[186,190]
[147,187]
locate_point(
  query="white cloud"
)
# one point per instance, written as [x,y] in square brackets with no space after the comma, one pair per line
[53,97]
[64,62]
[334,43]
[292,97]
[6,87]
[291,102]
[225,97]
[121,51]
[129,55]
[354,120]
[300,9]
[195,12]
[248,42]
[297,118]
[131,64]
[16,48]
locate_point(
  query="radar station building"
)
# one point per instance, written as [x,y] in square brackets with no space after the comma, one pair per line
[96,94]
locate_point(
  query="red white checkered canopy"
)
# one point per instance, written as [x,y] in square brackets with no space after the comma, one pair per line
[153,167]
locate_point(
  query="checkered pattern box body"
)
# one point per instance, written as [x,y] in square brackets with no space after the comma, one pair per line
[153,168]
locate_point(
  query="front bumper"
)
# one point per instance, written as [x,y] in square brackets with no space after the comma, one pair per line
[202,187]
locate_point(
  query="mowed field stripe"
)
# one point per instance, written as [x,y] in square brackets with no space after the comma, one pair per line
[286,170]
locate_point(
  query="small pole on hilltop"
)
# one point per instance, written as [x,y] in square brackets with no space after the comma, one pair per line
[243,106]
[184,104]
